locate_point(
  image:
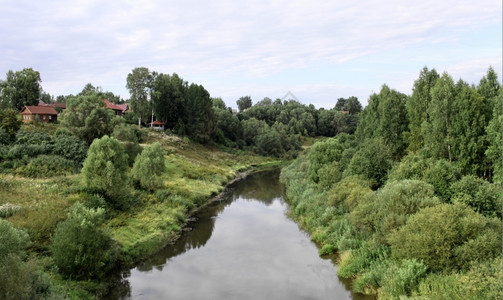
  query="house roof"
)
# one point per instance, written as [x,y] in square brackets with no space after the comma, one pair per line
[156,123]
[40,110]
[54,104]
[119,107]
[59,105]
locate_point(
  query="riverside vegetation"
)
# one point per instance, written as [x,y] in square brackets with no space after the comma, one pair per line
[407,191]
[411,201]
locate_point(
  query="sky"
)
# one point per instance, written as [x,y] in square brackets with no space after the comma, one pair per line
[317,50]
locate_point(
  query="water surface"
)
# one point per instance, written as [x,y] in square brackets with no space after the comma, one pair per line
[243,247]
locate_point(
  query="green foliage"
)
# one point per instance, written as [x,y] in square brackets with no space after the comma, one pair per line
[372,161]
[44,166]
[383,212]
[482,196]
[326,152]
[442,174]
[9,122]
[70,147]
[87,118]
[494,151]
[80,248]
[361,259]
[105,168]
[482,281]
[199,117]
[20,88]
[437,132]
[126,133]
[403,279]
[149,166]
[412,166]
[417,107]
[441,235]
[244,103]
[139,83]
[14,241]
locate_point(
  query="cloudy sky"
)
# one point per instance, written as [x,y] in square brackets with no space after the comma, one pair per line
[318,50]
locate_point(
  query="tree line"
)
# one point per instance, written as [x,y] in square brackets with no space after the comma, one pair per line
[411,200]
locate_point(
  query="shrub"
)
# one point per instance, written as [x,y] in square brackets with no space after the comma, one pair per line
[126,133]
[81,249]
[105,168]
[362,258]
[441,235]
[70,147]
[441,174]
[403,279]
[388,209]
[9,122]
[479,194]
[44,166]
[4,137]
[14,241]
[149,166]
[372,161]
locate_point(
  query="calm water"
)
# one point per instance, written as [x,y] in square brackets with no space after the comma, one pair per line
[243,247]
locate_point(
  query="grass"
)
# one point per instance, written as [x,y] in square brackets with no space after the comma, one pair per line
[194,173]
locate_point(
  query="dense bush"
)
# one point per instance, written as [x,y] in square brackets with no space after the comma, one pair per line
[80,247]
[70,147]
[479,194]
[372,161]
[149,166]
[386,210]
[105,168]
[442,174]
[44,166]
[447,237]
[14,241]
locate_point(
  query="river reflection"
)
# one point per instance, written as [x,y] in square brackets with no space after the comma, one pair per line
[243,247]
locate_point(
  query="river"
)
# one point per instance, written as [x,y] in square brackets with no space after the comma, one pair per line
[243,247]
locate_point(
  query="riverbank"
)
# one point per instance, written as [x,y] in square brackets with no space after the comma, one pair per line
[195,174]
[377,234]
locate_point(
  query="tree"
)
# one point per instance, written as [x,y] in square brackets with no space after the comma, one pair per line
[417,107]
[468,129]
[80,247]
[20,88]
[149,166]
[87,117]
[244,103]
[168,96]
[9,122]
[372,161]
[139,83]
[199,117]
[437,131]
[105,169]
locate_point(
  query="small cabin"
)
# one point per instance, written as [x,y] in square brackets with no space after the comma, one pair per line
[46,114]
[119,109]
[156,125]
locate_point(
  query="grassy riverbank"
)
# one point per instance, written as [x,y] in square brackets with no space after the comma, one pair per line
[194,173]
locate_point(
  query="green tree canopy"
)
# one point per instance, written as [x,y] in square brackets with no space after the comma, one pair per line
[87,117]
[105,169]
[244,103]
[149,166]
[80,247]
[20,88]
[139,83]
